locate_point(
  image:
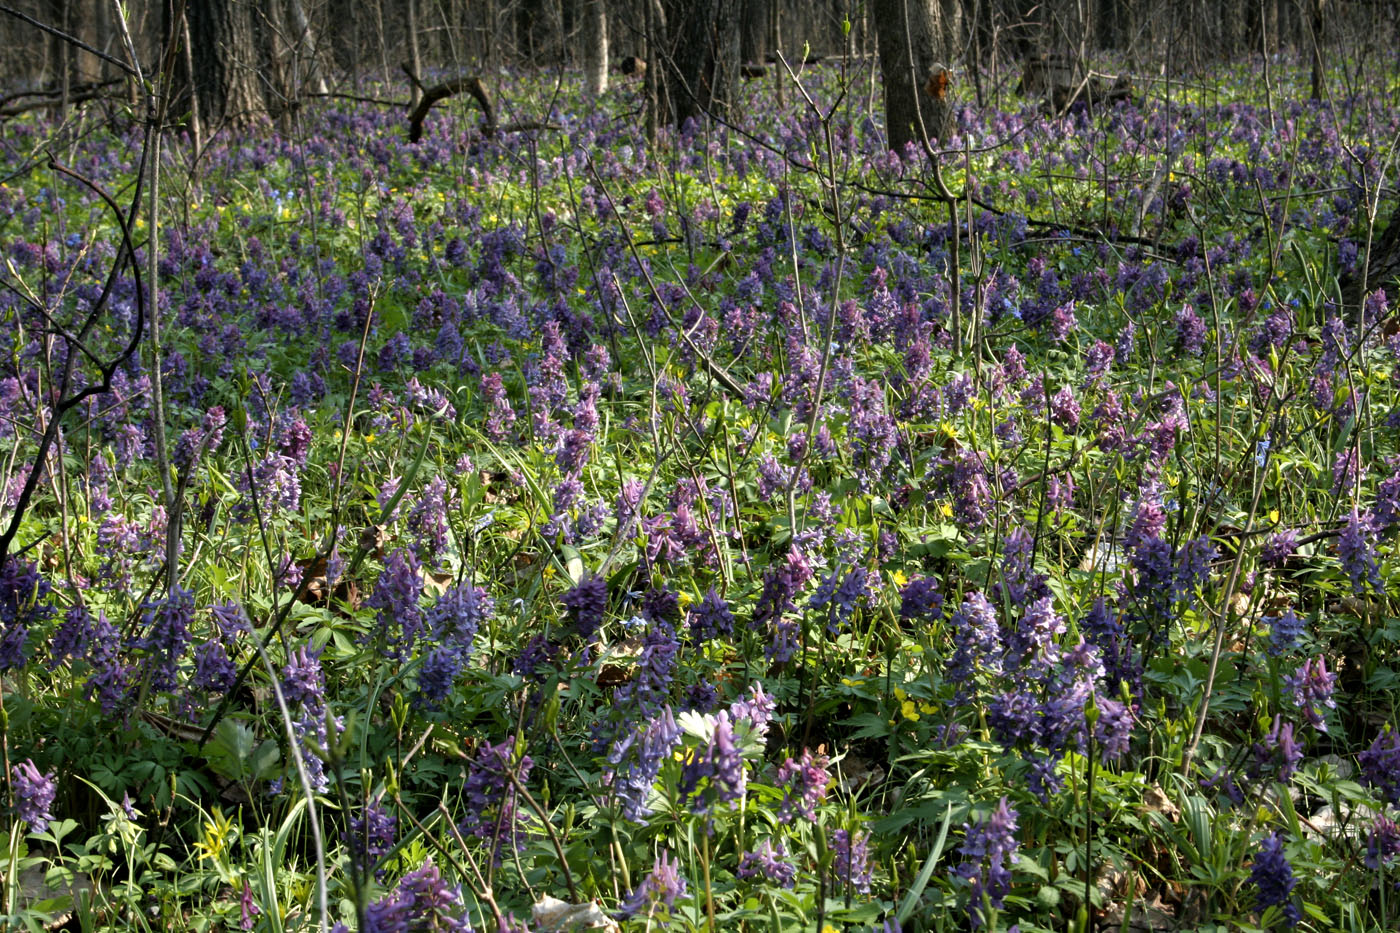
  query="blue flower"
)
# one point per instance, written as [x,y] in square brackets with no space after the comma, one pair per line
[1273,877]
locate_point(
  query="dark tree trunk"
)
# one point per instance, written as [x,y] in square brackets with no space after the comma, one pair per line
[700,58]
[753,43]
[226,58]
[1316,22]
[910,39]
[1383,270]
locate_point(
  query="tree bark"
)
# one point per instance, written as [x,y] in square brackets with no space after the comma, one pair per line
[225,54]
[701,59]
[415,56]
[909,37]
[595,46]
[753,40]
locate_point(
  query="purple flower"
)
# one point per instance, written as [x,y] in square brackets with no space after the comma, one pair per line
[428,518]
[214,671]
[769,863]
[1064,409]
[634,761]
[24,602]
[1345,470]
[1380,765]
[662,887]
[1279,752]
[1382,844]
[1355,549]
[1190,331]
[247,908]
[458,614]
[303,688]
[73,636]
[1273,877]
[920,600]
[1283,632]
[722,764]
[852,863]
[988,851]
[839,593]
[1033,641]
[500,417]
[421,901]
[1114,728]
[275,485]
[756,709]
[110,680]
[167,636]
[1226,783]
[976,639]
[34,794]
[587,603]
[711,618]
[1312,686]
[490,795]
[655,668]
[370,836]
[804,784]
[396,595]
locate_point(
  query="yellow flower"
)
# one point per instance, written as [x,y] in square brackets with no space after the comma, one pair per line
[908,710]
[898,578]
[216,835]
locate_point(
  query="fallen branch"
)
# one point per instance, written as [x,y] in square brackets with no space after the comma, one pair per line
[470,85]
[51,97]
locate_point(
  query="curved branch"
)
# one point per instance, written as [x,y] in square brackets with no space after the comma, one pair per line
[469,85]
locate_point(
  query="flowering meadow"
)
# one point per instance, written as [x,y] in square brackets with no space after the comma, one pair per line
[755,531]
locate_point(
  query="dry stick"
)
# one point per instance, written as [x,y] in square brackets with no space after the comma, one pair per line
[1222,616]
[549,828]
[323,554]
[829,338]
[305,779]
[127,253]
[713,368]
[485,892]
[70,39]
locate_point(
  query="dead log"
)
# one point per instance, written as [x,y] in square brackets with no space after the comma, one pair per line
[632,67]
[1091,93]
[465,85]
[11,106]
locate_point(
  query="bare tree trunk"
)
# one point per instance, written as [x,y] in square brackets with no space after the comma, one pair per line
[595,46]
[701,60]
[655,90]
[1316,21]
[308,51]
[225,56]
[753,41]
[415,56]
[196,128]
[910,39]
